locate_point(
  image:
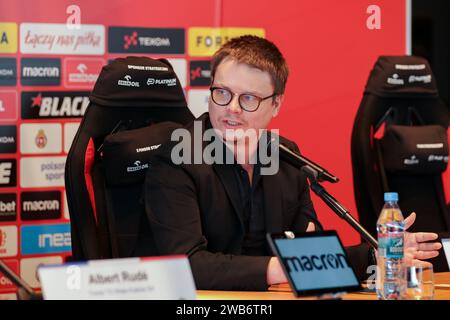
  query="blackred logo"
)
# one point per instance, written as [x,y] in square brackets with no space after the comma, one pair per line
[58,104]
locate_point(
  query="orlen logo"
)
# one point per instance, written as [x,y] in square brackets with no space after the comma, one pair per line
[49,238]
[45,105]
[82,73]
[127,82]
[314,262]
[137,166]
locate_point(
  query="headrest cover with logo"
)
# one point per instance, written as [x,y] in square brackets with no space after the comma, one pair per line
[138,82]
[399,76]
[126,154]
[417,150]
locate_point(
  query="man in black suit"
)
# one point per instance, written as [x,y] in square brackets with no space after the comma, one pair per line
[217,212]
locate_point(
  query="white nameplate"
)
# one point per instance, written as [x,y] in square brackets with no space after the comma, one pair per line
[446,245]
[156,278]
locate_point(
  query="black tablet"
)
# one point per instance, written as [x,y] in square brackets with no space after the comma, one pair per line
[315,263]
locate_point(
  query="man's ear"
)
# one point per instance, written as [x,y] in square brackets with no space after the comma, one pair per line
[278,101]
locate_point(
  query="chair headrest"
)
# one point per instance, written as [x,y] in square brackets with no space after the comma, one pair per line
[138,82]
[401,76]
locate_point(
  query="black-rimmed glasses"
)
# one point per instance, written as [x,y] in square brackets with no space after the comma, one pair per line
[247,101]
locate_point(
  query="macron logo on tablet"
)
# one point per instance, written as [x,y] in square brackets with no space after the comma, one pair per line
[315,262]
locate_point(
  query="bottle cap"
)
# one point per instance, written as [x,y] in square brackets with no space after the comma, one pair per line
[390,196]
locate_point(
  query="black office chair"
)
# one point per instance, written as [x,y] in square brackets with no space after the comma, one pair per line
[400,117]
[130,109]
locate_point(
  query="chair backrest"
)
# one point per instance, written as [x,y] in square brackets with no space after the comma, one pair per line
[400,91]
[133,93]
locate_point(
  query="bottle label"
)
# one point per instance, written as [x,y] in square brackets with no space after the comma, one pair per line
[391,245]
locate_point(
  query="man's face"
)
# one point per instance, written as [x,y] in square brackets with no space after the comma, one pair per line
[241,78]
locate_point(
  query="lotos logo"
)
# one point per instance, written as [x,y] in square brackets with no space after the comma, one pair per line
[8,37]
[314,262]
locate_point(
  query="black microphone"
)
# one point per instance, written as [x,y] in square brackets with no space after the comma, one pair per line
[298,161]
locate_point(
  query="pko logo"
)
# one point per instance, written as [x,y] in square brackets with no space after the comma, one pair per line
[49,238]
[314,262]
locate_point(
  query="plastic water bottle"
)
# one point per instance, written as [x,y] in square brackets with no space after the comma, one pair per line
[391,229]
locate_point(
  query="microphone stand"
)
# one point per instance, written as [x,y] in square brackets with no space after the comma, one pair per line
[334,205]
[24,291]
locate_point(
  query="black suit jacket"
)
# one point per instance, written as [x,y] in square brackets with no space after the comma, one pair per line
[194,209]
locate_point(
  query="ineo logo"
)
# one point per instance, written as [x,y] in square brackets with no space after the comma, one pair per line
[8,211]
[40,139]
[49,238]
[314,262]
[43,105]
[137,166]
[168,82]
[127,82]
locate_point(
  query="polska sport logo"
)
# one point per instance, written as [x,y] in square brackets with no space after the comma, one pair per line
[44,105]
[127,82]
